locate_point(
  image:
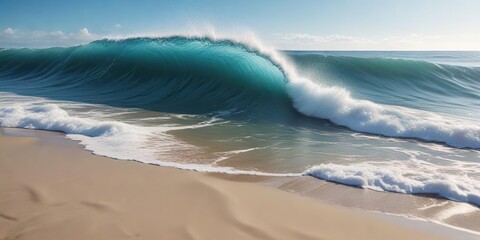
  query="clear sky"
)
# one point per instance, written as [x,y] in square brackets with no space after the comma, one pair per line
[320,24]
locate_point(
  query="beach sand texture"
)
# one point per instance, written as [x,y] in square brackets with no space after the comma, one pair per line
[50,188]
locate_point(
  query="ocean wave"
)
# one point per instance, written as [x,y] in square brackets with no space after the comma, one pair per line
[338,106]
[174,74]
[203,75]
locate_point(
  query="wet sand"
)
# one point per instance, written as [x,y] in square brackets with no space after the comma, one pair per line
[50,188]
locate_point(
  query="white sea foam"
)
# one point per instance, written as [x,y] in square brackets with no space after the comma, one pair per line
[109,138]
[51,117]
[337,105]
[414,177]
[114,139]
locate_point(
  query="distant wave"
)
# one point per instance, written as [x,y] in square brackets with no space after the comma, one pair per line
[201,75]
[397,76]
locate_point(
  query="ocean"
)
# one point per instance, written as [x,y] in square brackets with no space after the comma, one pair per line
[403,122]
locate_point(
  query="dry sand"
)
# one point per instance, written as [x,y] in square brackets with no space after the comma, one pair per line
[50,188]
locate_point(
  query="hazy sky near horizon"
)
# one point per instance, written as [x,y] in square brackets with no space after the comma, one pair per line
[310,25]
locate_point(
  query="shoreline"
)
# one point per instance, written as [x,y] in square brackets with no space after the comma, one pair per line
[58,188]
[432,209]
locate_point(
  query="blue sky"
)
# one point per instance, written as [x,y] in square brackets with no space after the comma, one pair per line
[321,24]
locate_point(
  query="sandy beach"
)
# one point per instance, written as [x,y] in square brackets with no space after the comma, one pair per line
[228,120]
[53,189]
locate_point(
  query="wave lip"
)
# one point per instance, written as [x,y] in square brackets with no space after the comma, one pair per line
[397,177]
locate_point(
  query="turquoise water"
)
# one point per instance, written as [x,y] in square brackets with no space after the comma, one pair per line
[393,121]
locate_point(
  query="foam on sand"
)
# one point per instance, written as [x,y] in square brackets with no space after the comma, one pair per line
[413,177]
[114,139]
